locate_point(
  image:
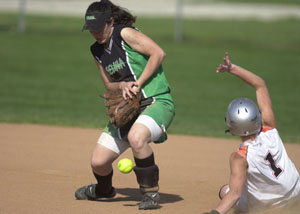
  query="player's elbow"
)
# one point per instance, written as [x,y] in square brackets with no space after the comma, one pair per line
[260,83]
[160,54]
[163,54]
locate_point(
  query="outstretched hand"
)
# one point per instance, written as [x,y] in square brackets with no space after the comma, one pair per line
[226,67]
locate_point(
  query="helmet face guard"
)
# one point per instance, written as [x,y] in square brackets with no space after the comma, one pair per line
[243,117]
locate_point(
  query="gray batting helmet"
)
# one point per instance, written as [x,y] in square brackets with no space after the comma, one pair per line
[243,117]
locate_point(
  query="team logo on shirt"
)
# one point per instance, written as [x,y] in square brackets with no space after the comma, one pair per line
[117,65]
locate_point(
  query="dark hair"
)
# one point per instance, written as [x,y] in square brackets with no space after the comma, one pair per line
[120,15]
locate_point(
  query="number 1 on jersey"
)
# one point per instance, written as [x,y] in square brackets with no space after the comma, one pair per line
[276,169]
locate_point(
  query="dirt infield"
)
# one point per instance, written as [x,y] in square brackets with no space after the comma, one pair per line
[42,166]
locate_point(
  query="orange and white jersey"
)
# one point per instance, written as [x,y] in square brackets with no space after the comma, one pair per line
[272,178]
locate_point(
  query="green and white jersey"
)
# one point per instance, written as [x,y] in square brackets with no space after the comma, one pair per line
[122,63]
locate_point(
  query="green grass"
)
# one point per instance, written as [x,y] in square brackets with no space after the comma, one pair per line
[48,75]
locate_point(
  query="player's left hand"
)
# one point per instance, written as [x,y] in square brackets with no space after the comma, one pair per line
[128,89]
[226,67]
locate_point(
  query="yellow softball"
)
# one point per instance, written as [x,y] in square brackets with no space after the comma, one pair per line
[125,165]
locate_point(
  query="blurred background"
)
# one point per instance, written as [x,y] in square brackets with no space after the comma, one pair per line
[47,74]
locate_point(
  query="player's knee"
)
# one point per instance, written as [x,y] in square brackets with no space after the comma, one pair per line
[99,164]
[136,141]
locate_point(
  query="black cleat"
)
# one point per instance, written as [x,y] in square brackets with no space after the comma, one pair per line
[89,193]
[149,201]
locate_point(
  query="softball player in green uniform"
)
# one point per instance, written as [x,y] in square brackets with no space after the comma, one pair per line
[130,61]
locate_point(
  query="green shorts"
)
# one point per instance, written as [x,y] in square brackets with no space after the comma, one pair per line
[162,111]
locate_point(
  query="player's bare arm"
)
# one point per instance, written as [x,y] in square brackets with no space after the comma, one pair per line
[238,167]
[144,45]
[126,87]
[262,95]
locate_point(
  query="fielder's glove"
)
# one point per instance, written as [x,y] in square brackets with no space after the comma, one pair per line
[120,111]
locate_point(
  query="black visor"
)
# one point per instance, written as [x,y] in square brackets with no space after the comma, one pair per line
[95,21]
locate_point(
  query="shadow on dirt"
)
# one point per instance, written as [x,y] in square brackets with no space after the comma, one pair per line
[133,195]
